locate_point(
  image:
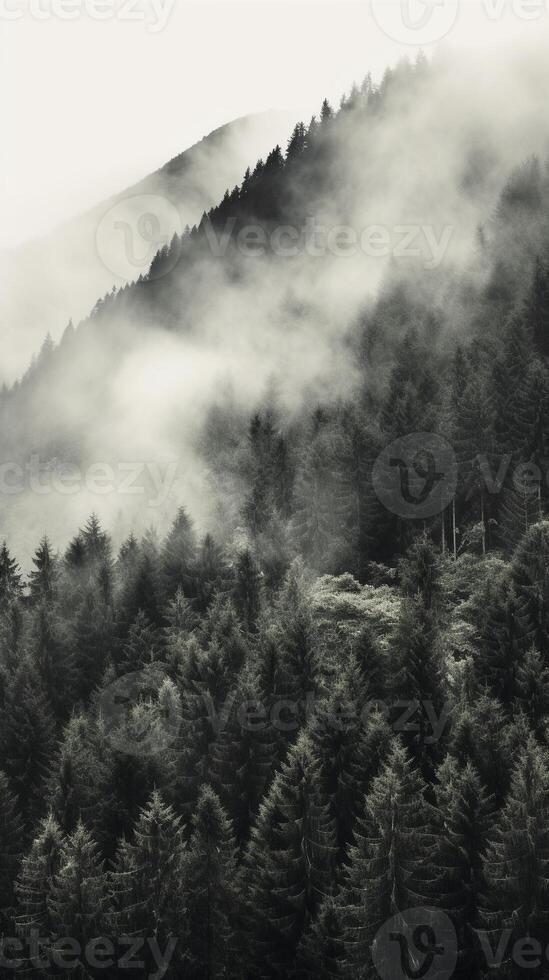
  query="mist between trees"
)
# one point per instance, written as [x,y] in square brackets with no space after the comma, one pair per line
[345,546]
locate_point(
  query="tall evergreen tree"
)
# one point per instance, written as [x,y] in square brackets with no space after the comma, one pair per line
[209,884]
[44,576]
[148,881]
[390,862]
[34,883]
[179,556]
[466,815]
[78,899]
[11,839]
[517,860]
[288,867]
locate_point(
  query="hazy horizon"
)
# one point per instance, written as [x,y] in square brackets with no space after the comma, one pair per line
[108,101]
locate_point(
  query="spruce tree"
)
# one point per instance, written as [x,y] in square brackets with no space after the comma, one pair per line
[517,861]
[391,866]
[44,576]
[209,887]
[11,847]
[28,740]
[530,580]
[148,879]
[247,591]
[288,866]
[53,658]
[244,754]
[34,883]
[78,899]
[179,556]
[466,816]
[10,577]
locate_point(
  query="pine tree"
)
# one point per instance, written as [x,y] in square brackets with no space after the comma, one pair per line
[247,591]
[298,641]
[322,503]
[11,837]
[500,645]
[211,573]
[417,684]
[297,142]
[532,686]
[53,658]
[10,576]
[141,647]
[350,748]
[288,866]
[148,879]
[44,576]
[97,544]
[466,814]
[209,877]
[530,580]
[78,898]
[94,641]
[79,783]
[179,556]
[475,445]
[33,887]
[537,307]
[517,861]
[390,862]
[480,734]
[319,955]
[27,740]
[244,754]
[326,112]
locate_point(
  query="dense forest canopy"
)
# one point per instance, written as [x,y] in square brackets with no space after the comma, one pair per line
[308,739]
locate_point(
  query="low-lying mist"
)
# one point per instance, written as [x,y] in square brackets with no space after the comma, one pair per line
[408,180]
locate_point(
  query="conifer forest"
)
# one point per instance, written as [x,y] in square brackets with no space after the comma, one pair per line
[293,723]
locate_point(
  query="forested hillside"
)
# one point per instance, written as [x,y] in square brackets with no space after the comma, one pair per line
[308,739]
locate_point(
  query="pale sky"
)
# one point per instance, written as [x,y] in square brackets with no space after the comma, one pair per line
[89,106]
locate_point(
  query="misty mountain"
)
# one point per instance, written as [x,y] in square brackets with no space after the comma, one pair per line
[395,228]
[69,269]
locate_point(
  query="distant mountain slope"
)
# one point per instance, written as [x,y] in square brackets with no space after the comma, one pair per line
[166,373]
[59,277]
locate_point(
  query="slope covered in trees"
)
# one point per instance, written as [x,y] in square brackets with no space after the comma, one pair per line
[310,738]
